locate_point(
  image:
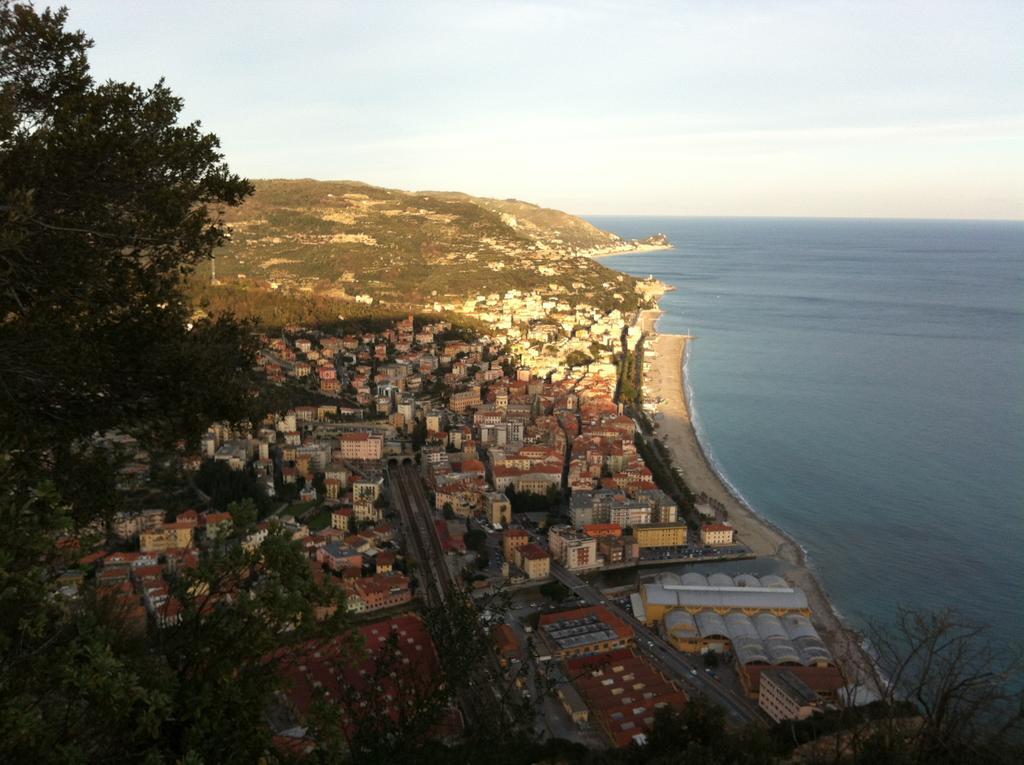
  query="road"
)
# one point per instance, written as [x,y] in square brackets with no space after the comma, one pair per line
[739,711]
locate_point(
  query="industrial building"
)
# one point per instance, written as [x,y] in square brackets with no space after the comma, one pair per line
[582,632]
[762,621]
[623,692]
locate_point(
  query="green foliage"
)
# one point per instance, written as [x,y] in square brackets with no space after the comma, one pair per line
[108,203]
[419,434]
[105,207]
[659,462]
[224,486]
[577,359]
[528,502]
[631,376]
[555,591]
[346,238]
[274,309]
[476,540]
[244,513]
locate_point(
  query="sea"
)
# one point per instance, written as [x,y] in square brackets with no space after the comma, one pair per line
[860,383]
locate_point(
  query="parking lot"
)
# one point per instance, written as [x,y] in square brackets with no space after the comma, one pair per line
[663,553]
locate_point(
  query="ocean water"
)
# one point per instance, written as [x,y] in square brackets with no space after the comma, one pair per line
[861,384]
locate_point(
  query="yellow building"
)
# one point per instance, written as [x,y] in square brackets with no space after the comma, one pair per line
[534,561]
[170,536]
[716,534]
[660,534]
[499,509]
[511,541]
[762,620]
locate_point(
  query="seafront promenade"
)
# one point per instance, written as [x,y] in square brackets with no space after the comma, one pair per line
[674,427]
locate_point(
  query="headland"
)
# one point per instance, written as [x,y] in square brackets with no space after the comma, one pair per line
[638,248]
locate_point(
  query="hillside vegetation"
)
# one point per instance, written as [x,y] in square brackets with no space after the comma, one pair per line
[341,239]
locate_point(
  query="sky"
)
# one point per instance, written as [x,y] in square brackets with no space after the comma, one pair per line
[760,108]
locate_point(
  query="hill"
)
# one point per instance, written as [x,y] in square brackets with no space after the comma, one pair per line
[349,240]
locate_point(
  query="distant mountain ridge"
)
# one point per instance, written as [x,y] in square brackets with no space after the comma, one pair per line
[349,240]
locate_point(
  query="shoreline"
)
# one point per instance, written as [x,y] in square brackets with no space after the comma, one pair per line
[640,249]
[674,427]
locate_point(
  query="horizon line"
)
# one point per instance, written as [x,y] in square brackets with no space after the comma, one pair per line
[799,217]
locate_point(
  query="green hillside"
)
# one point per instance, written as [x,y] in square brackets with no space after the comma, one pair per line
[344,238]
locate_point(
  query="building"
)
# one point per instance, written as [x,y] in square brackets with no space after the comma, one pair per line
[169,536]
[572,703]
[660,535]
[716,534]
[362,446]
[762,622]
[582,632]
[384,562]
[630,512]
[398,662]
[623,692]
[618,549]
[601,530]
[664,508]
[608,506]
[512,540]
[339,557]
[383,591]
[826,681]
[465,399]
[784,696]
[340,518]
[499,509]
[573,549]
[535,561]
[506,642]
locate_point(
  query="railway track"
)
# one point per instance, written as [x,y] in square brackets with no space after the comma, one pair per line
[418,520]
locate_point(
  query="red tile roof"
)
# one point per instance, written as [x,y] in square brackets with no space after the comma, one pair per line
[624,692]
[412,670]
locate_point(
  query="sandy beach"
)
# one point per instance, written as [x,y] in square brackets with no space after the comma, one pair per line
[674,427]
[639,249]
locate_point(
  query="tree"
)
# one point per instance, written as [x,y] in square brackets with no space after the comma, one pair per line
[419,434]
[969,695]
[448,512]
[476,540]
[554,590]
[577,359]
[224,486]
[107,204]
[244,514]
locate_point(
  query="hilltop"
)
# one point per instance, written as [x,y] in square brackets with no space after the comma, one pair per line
[348,240]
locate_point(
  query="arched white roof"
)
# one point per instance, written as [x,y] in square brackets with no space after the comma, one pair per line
[769,626]
[720,580]
[746,643]
[667,578]
[739,625]
[806,639]
[776,641]
[773,580]
[747,580]
[677,621]
[694,579]
[813,651]
[710,624]
[797,626]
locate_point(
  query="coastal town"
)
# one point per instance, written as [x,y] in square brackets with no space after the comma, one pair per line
[522,468]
